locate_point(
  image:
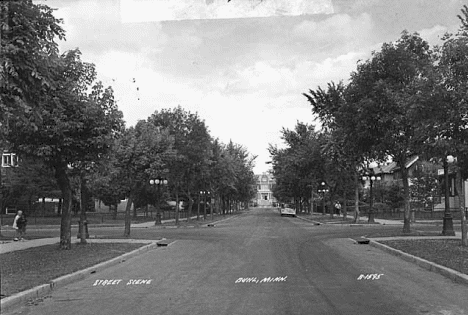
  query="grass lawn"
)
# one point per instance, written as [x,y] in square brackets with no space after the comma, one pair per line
[448,253]
[25,269]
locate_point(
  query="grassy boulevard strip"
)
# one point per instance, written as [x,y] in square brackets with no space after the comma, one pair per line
[25,269]
[430,246]
[445,252]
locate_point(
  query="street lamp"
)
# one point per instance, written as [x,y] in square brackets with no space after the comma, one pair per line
[157,183]
[205,194]
[447,227]
[323,189]
[370,175]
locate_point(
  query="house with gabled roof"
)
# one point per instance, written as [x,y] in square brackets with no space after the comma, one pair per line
[390,174]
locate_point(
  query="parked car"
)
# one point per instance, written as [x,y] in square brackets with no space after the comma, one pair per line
[287,209]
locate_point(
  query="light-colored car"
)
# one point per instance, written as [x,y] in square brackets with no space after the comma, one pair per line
[287,210]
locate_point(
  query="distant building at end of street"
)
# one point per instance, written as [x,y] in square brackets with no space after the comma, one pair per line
[265,183]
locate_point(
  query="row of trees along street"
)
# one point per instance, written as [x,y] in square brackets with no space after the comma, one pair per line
[60,119]
[407,99]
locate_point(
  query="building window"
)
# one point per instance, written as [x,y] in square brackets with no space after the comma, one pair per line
[9,160]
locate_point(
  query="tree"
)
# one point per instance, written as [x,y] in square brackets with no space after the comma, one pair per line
[345,151]
[221,174]
[384,88]
[104,186]
[340,170]
[424,184]
[27,182]
[445,108]
[27,34]
[140,154]
[192,150]
[244,178]
[75,129]
[299,166]
[27,39]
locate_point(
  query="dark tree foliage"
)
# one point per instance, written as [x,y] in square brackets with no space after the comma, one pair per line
[28,34]
[76,128]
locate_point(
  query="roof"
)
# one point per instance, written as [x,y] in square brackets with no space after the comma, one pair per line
[385,169]
[392,166]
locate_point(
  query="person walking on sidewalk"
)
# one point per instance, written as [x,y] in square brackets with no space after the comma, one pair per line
[19,223]
[338,208]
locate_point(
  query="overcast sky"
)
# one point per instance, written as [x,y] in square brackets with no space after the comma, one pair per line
[244,76]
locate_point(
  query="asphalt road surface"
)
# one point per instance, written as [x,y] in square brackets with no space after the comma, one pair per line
[259,263]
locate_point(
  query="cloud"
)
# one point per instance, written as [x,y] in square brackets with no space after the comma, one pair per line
[336,30]
[261,77]
[434,34]
[314,73]
[96,27]
[276,79]
[144,11]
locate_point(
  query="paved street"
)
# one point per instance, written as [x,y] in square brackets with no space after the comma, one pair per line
[259,263]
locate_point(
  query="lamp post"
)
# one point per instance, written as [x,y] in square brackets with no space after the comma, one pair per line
[157,183]
[447,227]
[323,189]
[370,175]
[204,193]
[211,208]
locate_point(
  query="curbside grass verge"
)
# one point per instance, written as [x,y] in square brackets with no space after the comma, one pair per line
[44,289]
[423,263]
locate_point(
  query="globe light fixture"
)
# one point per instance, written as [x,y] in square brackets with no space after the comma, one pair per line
[371,177]
[157,183]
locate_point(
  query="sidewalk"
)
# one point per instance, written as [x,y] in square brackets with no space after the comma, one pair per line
[10,246]
[152,223]
[362,220]
[20,245]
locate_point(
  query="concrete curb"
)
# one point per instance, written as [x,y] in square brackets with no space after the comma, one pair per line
[309,220]
[328,223]
[221,219]
[447,272]
[44,289]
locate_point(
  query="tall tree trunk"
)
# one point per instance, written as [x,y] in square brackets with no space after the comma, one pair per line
[198,208]
[135,214]
[406,197]
[128,219]
[65,224]
[345,206]
[1,196]
[84,206]
[356,198]
[204,205]
[212,206]
[223,201]
[177,208]
[190,205]
[59,208]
